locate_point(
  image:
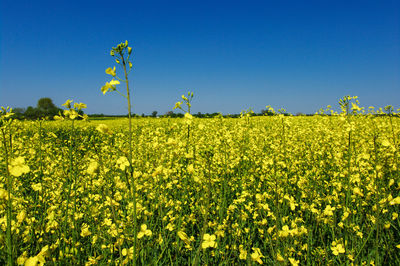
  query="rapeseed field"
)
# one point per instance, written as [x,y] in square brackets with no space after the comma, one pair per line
[281,190]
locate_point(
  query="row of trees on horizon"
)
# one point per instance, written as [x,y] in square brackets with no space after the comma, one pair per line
[45,108]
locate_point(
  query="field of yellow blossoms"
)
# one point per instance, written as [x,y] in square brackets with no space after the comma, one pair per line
[282,190]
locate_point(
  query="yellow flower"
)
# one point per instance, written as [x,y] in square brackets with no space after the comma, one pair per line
[92,168]
[184,237]
[357,191]
[110,86]
[160,240]
[394,216]
[58,117]
[279,257]
[257,255]
[190,168]
[21,216]
[144,231]
[103,129]
[188,116]
[294,262]
[122,163]
[85,230]
[345,215]
[107,222]
[111,71]
[177,105]
[395,201]
[21,259]
[72,114]
[337,248]
[243,253]
[329,210]
[37,187]
[170,227]
[67,104]
[285,231]
[18,167]
[209,241]
[80,106]
[32,261]
[39,259]
[386,143]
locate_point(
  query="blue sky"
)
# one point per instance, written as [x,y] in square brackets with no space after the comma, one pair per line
[234,55]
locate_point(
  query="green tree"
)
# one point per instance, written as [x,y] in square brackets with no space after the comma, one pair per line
[46,107]
[46,104]
[31,112]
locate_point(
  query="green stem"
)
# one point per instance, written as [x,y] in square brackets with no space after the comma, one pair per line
[377,188]
[71,138]
[206,212]
[9,205]
[130,162]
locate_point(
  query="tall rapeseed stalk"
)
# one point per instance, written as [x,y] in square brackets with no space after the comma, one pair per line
[122,54]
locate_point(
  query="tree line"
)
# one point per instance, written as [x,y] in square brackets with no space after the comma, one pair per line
[45,108]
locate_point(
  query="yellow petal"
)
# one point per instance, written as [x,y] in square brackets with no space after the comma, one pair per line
[67,104]
[114,82]
[111,71]
[143,227]
[105,88]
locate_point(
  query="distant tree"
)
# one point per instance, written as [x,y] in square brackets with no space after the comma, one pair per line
[96,115]
[154,114]
[45,104]
[173,115]
[31,113]
[19,112]
[46,107]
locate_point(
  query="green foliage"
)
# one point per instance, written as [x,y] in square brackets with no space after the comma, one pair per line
[45,108]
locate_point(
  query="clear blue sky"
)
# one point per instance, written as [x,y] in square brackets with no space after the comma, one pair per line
[234,55]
